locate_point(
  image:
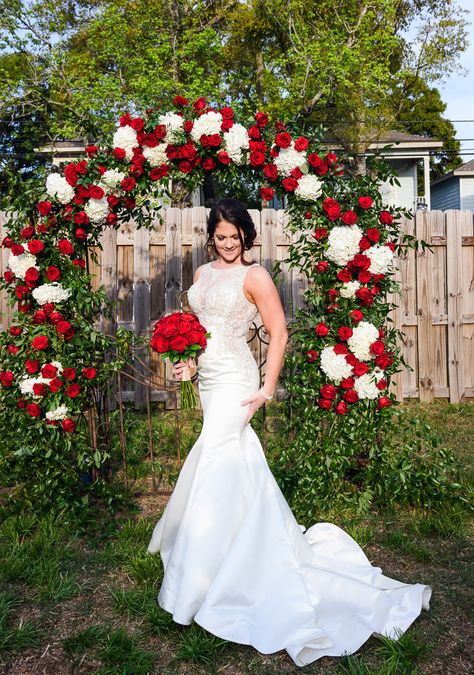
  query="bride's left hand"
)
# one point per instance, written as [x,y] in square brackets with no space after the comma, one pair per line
[254,402]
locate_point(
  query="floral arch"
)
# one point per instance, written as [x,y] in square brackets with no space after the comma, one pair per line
[343,355]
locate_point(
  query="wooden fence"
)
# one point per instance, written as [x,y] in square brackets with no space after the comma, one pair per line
[147,272]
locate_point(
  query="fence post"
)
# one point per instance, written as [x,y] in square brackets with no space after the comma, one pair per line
[424,310]
[5,308]
[454,283]
[141,302]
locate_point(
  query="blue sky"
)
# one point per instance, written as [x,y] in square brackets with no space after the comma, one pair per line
[458,92]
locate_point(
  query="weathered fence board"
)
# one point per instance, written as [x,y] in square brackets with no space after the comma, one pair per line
[147,272]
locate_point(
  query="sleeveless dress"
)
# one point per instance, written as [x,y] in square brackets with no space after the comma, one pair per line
[236,561]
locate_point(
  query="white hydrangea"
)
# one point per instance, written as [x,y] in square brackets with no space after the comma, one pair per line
[309,187]
[381,259]
[174,125]
[366,385]
[59,413]
[125,138]
[97,209]
[289,159]
[343,243]
[111,179]
[348,290]
[20,263]
[236,140]
[363,335]
[26,384]
[58,187]
[209,123]
[334,365]
[156,156]
[54,292]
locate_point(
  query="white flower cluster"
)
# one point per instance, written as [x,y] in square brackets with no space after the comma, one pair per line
[289,159]
[58,187]
[236,140]
[26,384]
[334,365]
[97,209]
[174,126]
[348,290]
[381,259]
[157,155]
[54,292]
[363,335]
[125,138]
[20,263]
[209,123]
[343,243]
[60,413]
[309,187]
[366,385]
[111,179]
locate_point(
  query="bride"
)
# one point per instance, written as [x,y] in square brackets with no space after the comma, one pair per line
[236,561]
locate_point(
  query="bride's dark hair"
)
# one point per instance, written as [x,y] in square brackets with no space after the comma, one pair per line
[235,212]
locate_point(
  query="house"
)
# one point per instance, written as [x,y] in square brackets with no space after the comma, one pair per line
[454,190]
[406,153]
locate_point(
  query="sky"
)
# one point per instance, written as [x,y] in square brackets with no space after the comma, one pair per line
[458,92]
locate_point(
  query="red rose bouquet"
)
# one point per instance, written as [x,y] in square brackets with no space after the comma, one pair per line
[180,336]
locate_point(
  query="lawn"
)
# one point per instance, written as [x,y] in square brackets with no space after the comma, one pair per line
[83,599]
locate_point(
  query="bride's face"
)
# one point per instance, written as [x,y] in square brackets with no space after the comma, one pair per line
[227,242]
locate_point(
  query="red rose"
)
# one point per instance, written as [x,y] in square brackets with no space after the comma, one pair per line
[180,100]
[328,391]
[383,402]
[7,242]
[340,408]
[89,373]
[113,201]
[321,329]
[48,307]
[119,153]
[73,390]
[178,343]
[8,276]
[331,159]
[33,409]
[55,317]
[344,332]
[322,266]
[347,383]
[361,369]
[270,171]
[320,233]
[81,218]
[261,119]
[21,290]
[55,385]
[80,234]
[35,246]
[373,234]
[296,173]
[79,262]
[32,366]
[48,371]
[92,150]
[377,348]
[290,184]
[6,378]
[65,247]
[256,159]
[319,165]
[359,262]
[267,193]
[27,232]
[53,273]
[356,316]
[227,124]
[301,143]
[68,425]
[185,167]
[127,184]
[15,331]
[69,373]
[325,403]
[344,275]
[365,202]
[31,276]
[254,133]
[159,172]
[223,158]
[160,344]
[351,396]
[349,217]
[63,327]
[199,103]
[312,355]
[12,349]
[283,140]
[96,192]
[40,342]
[17,249]
[384,360]
[340,348]
[333,212]
[382,384]
[39,389]
[208,164]
[45,208]
[137,123]
[364,277]
[385,218]
[365,296]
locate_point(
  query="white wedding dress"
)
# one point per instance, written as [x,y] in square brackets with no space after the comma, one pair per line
[236,561]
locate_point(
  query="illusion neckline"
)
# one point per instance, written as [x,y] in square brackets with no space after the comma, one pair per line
[234,267]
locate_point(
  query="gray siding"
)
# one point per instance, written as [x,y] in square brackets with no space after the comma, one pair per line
[446,195]
[467,193]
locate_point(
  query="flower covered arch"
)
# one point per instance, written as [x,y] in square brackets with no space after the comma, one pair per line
[52,356]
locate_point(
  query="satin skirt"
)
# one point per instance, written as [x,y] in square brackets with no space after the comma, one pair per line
[239,565]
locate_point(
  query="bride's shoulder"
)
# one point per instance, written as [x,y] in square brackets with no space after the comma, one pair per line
[199,271]
[256,274]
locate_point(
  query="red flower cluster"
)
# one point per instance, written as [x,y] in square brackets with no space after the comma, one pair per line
[177,332]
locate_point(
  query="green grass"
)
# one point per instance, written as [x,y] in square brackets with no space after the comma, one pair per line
[198,646]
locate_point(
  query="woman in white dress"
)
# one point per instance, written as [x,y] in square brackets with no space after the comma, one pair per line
[236,561]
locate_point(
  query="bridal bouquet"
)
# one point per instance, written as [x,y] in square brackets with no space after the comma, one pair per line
[179,336]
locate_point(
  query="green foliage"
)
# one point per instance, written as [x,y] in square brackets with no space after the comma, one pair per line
[199,646]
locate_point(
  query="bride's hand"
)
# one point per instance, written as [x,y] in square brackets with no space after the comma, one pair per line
[254,402]
[177,369]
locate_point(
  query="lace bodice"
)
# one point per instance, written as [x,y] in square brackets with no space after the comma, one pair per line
[219,301]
